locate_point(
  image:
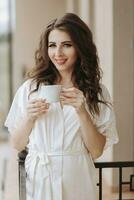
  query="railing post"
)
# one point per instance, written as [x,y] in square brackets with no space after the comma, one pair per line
[22,175]
[100,183]
[120,183]
[120,165]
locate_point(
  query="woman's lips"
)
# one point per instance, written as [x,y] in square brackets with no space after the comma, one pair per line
[60,61]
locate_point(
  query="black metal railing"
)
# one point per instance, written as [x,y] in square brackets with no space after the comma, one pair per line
[22,175]
[100,165]
[119,165]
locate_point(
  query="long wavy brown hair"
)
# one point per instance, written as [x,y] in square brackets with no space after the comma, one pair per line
[87,74]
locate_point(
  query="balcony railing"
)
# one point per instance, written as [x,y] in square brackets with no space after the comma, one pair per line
[100,165]
[119,165]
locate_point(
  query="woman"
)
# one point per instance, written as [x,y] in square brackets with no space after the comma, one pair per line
[63,142]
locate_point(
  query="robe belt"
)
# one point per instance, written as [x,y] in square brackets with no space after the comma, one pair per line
[44,156]
[44,160]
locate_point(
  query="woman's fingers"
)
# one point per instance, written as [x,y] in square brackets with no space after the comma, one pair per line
[72,101]
[35,110]
[72,93]
[37,101]
[38,107]
[73,97]
[39,113]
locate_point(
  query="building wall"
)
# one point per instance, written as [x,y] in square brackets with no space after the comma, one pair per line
[112,24]
[124,76]
[123,79]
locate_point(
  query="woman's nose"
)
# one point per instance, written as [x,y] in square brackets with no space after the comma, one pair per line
[58,51]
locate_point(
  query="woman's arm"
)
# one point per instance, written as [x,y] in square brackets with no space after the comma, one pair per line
[20,135]
[93,140]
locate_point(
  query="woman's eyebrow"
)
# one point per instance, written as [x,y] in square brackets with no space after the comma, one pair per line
[67,41]
[51,42]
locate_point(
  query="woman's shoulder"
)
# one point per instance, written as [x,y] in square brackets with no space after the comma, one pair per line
[24,89]
[27,85]
[103,87]
[105,92]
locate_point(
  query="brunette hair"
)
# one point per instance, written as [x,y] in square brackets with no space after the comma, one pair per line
[87,74]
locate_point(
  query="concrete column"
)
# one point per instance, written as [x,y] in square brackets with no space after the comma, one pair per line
[84,10]
[102,16]
[70,6]
[103,30]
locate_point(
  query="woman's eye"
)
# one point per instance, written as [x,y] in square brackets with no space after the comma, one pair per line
[67,45]
[51,45]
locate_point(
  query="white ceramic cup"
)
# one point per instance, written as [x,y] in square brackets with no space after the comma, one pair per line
[50,92]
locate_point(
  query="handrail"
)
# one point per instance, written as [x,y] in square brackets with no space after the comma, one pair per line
[99,165]
[114,164]
[119,165]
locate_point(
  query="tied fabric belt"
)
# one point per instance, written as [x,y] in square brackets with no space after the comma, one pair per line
[40,158]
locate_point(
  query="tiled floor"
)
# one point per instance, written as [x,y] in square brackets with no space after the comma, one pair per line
[115,196]
[126,196]
[9,177]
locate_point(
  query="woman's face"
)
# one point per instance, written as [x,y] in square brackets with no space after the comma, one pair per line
[61,51]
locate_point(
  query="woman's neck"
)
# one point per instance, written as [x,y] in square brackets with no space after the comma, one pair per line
[66,82]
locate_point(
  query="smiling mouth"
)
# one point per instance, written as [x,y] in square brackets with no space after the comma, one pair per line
[60,61]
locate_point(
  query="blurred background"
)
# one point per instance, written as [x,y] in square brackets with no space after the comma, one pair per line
[112,24]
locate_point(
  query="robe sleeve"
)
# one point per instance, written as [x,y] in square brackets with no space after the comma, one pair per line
[18,107]
[106,122]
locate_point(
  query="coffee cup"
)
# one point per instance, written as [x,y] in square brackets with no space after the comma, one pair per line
[50,92]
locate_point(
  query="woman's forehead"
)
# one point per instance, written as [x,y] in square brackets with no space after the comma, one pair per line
[59,36]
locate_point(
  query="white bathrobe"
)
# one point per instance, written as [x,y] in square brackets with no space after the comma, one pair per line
[58,166]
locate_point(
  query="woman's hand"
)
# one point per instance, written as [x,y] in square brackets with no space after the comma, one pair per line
[74,97]
[36,108]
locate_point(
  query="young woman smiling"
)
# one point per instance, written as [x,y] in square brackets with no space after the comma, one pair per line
[62,141]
